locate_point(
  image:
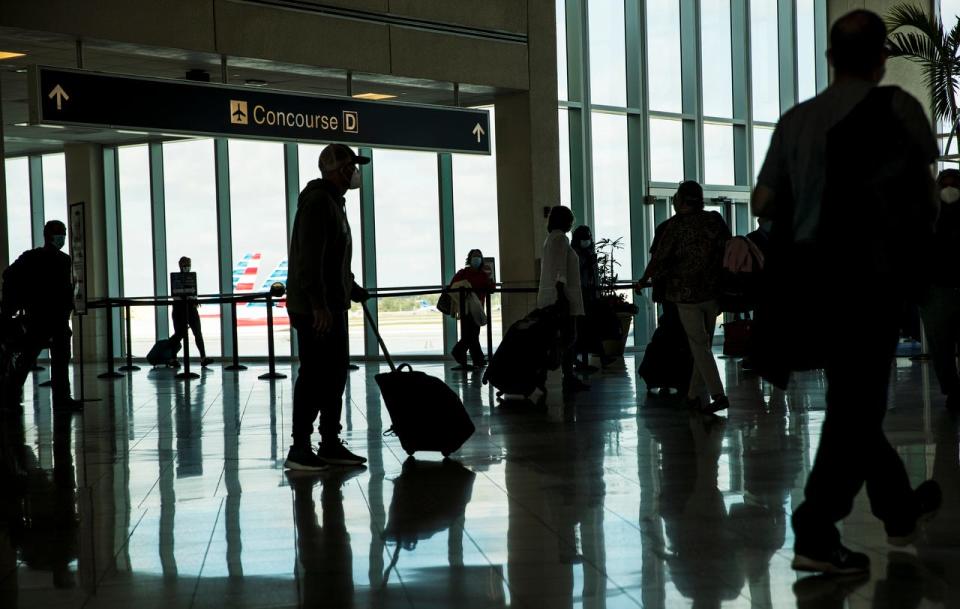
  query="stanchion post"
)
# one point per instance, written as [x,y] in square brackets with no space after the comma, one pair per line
[186,375]
[236,365]
[271,355]
[129,367]
[110,373]
[489,326]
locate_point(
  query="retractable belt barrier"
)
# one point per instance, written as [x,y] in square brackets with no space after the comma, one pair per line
[269,298]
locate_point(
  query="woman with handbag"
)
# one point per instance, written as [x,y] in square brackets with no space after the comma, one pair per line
[481,285]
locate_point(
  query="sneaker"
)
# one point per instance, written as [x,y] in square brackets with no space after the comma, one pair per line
[838,560]
[336,453]
[303,459]
[352,367]
[205,361]
[68,405]
[718,404]
[174,363]
[928,497]
[572,383]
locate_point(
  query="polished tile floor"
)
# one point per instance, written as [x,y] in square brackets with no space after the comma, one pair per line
[166,495]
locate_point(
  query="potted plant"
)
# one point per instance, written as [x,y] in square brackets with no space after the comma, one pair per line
[615,313]
[921,38]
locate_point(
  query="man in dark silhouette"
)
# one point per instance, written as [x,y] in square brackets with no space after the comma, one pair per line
[40,284]
[848,184]
[186,314]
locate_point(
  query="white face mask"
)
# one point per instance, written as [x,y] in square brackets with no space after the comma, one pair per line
[59,241]
[950,194]
[585,243]
[476,261]
[355,180]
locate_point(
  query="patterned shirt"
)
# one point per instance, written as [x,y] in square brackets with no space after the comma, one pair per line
[687,256]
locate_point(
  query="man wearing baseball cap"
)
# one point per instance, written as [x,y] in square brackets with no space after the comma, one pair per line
[320,287]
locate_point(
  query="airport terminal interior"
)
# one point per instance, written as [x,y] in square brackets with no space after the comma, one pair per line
[188,128]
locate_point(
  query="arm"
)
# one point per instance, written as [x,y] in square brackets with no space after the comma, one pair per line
[313,236]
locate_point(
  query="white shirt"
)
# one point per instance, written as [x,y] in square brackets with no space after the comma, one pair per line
[560,263]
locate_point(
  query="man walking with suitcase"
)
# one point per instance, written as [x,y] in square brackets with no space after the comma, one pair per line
[320,287]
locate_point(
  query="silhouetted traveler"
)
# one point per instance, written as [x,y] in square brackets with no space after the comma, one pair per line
[40,283]
[482,286]
[583,245]
[847,181]
[320,287]
[940,307]
[560,284]
[186,313]
[687,264]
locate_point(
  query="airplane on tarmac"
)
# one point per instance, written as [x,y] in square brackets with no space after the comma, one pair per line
[245,274]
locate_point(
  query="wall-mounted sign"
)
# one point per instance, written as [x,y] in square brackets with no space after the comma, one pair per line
[183,284]
[78,256]
[94,99]
[490,268]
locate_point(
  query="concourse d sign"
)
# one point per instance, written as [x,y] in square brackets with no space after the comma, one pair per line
[94,99]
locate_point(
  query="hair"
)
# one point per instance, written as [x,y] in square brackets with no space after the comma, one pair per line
[184,260]
[858,42]
[580,233]
[691,194]
[560,218]
[949,173]
[470,255]
[54,227]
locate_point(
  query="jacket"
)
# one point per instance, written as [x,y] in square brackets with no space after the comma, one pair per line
[560,263]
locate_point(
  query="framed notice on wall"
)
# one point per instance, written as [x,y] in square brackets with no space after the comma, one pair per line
[78,255]
[490,267]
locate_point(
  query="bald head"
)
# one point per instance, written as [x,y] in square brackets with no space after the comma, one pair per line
[858,45]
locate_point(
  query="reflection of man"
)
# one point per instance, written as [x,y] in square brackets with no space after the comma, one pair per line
[40,284]
[186,313]
[320,287]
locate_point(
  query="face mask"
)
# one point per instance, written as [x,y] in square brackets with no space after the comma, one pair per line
[185,269]
[476,261]
[59,241]
[950,194]
[355,180]
[585,243]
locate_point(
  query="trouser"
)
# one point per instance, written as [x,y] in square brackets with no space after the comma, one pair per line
[699,321]
[853,448]
[41,334]
[469,341]
[323,544]
[941,320]
[321,379]
[185,314]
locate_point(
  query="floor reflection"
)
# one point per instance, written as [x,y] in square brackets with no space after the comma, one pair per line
[171,495]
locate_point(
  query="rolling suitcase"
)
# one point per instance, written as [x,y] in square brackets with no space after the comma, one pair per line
[530,348]
[425,413]
[667,361]
[162,352]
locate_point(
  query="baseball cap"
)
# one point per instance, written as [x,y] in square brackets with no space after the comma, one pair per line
[335,156]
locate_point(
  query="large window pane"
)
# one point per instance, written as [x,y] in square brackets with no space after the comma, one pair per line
[761,141]
[806,50]
[666,150]
[611,184]
[561,49]
[764,56]
[55,189]
[408,248]
[136,237]
[258,220]
[663,48]
[716,55]
[718,154]
[564,131]
[309,156]
[19,231]
[608,58]
[191,219]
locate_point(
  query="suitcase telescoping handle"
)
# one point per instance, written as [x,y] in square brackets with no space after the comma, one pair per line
[376,332]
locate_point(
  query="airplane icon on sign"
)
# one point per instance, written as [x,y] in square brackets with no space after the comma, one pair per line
[238,112]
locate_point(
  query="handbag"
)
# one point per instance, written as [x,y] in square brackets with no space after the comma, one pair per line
[445,304]
[736,337]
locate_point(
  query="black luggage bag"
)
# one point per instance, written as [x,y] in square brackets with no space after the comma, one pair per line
[163,352]
[530,348]
[428,497]
[425,413]
[667,361]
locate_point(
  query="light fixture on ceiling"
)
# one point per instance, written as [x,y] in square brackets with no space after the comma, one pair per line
[10,55]
[373,96]
[255,82]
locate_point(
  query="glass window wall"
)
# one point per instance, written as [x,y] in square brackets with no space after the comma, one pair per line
[716,57]
[663,43]
[611,185]
[19,231]
[764,45]
[806,50]
[666,150]
[55,189]
[136,240]
[718,154]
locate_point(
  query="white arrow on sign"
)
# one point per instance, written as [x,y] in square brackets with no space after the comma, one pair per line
[60,94]
[478,131]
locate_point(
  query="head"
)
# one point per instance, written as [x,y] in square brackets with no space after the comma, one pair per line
[55,234]
[689,198]
[858,46]
[560,218]
[948,186]
[185,264]
[582,238]
[340,166]
[475,259]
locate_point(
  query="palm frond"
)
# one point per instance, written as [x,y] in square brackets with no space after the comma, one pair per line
[913,16]
[913,45]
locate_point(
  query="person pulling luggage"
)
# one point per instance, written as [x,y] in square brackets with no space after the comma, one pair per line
[560,285]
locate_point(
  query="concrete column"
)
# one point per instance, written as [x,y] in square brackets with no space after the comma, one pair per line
[528,162]
[4,229]
[84,164]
